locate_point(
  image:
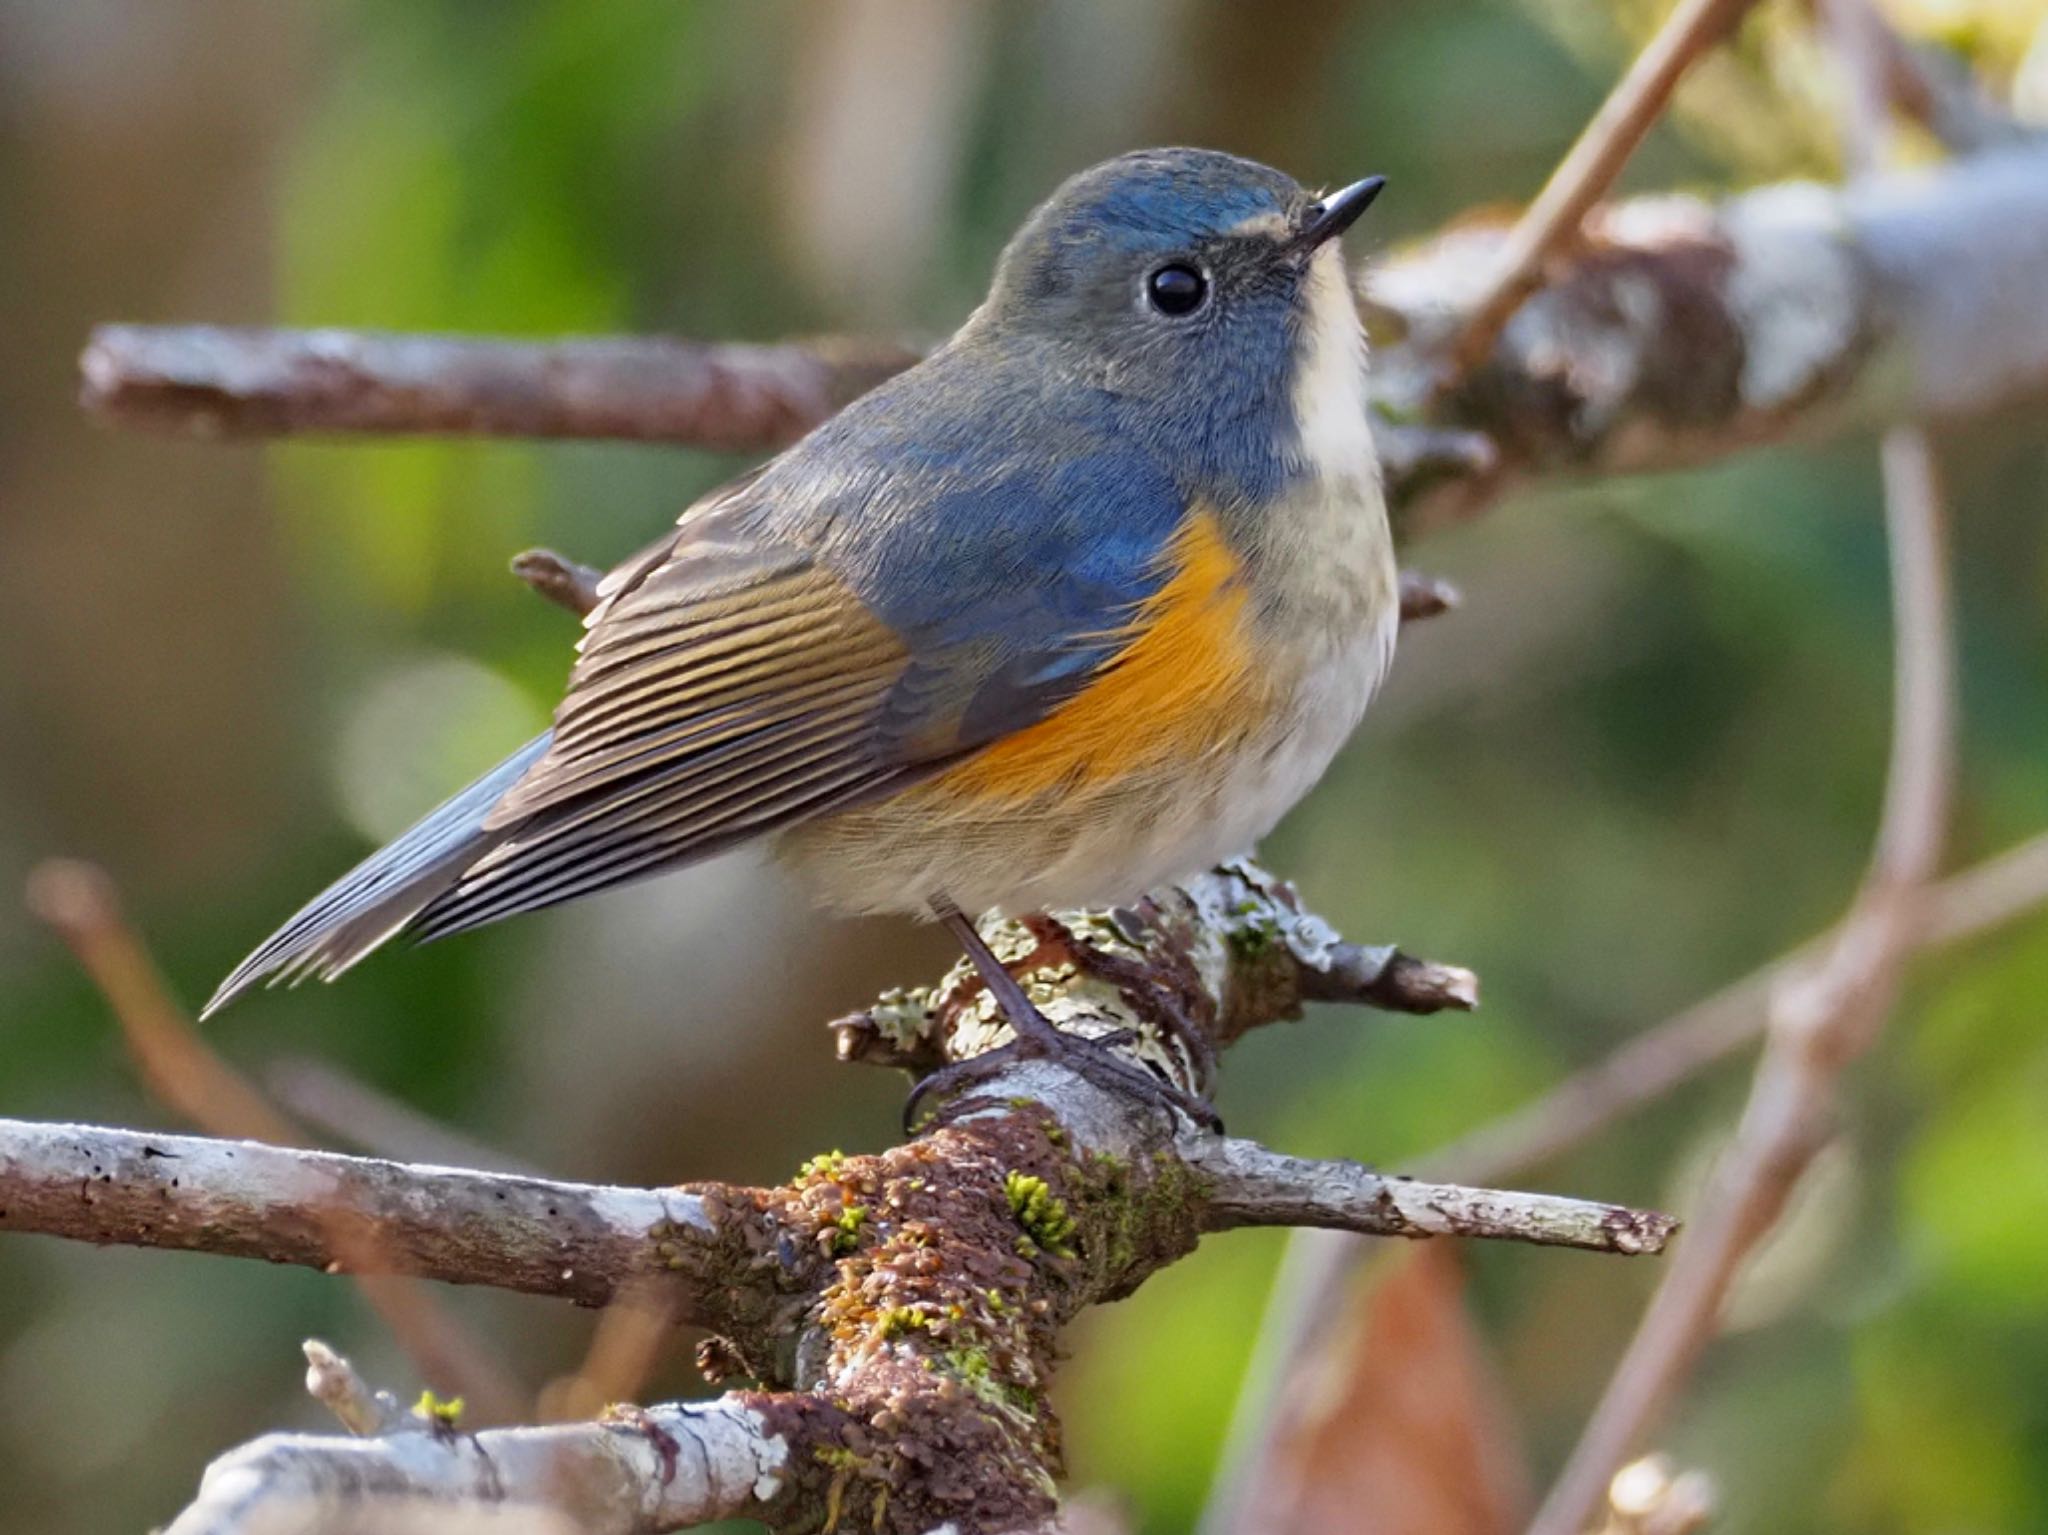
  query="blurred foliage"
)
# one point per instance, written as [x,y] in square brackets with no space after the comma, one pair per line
[1645,756]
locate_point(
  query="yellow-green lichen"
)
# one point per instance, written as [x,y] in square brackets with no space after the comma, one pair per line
[1044,1216]
[441,1414]
[825,1165]
[846,1232]
[896,1321]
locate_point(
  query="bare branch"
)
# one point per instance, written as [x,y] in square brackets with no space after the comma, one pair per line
[332,1382]
[1825,1018]
[1248,1185]
[209,381]
[664,1468]
[238,1198]
[1425,596]
[79,903]
[1681,331]
[562,581]
[1589,169]
[1651,1064]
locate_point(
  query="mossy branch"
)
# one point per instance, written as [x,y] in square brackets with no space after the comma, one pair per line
[897,1313]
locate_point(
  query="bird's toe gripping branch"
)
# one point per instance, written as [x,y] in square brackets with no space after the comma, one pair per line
[892,1319]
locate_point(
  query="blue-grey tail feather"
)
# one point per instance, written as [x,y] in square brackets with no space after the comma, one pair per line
[382,894]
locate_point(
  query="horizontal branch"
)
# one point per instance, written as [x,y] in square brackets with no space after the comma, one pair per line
[1677,331]
[212,381]
[1188,970]
[1248,1185]
[243,1199]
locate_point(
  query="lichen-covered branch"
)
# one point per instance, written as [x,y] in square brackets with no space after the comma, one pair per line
[1188,970]
[1682,330]
[898,1312]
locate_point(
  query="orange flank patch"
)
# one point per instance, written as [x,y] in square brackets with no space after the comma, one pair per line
[1184,683]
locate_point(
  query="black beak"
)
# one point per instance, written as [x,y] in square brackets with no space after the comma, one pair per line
[1329,218]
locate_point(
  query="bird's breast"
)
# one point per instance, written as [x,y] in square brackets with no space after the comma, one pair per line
[1189,682]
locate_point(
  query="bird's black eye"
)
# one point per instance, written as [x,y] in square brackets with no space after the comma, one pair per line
[1177,289]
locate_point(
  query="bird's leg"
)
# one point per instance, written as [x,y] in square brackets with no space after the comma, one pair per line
[1025,1018]
[1038,1038]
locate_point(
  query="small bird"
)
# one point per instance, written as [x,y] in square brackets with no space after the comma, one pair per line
[1080,604]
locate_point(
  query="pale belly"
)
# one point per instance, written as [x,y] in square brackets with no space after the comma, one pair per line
[1102,844]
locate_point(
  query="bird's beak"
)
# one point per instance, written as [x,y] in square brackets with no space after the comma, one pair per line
[1323,221]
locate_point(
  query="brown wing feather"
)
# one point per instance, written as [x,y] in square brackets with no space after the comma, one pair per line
[722,692]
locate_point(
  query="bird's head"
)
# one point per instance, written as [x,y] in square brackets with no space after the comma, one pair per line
[1183,276]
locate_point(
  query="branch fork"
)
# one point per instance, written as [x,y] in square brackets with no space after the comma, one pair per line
[896,1314]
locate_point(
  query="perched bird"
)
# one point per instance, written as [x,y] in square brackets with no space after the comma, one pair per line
[1080,604]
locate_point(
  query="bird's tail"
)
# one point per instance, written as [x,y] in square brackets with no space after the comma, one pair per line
[383,893]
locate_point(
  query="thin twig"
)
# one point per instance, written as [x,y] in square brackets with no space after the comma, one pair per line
[559,579]
[1820,1021]
[1651,1065]
[1249,1185]
[1589,169]
[625,1346]
[354,1115]
[80,903]
[333,1382]
[1827,1017]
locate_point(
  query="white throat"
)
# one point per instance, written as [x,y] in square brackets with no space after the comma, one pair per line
[1329,386]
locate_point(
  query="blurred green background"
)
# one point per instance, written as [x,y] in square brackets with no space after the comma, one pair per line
[1645,756]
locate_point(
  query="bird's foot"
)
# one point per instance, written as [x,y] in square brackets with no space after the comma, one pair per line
[1038,1039]
[1094,1060]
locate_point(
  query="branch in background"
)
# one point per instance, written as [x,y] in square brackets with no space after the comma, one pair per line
[356,1116]
[1821,1020]
[1646,1068]
[1676,332]
[80,903]
[1682,331]
[1320,1265]
[209,381]
[1588,170]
